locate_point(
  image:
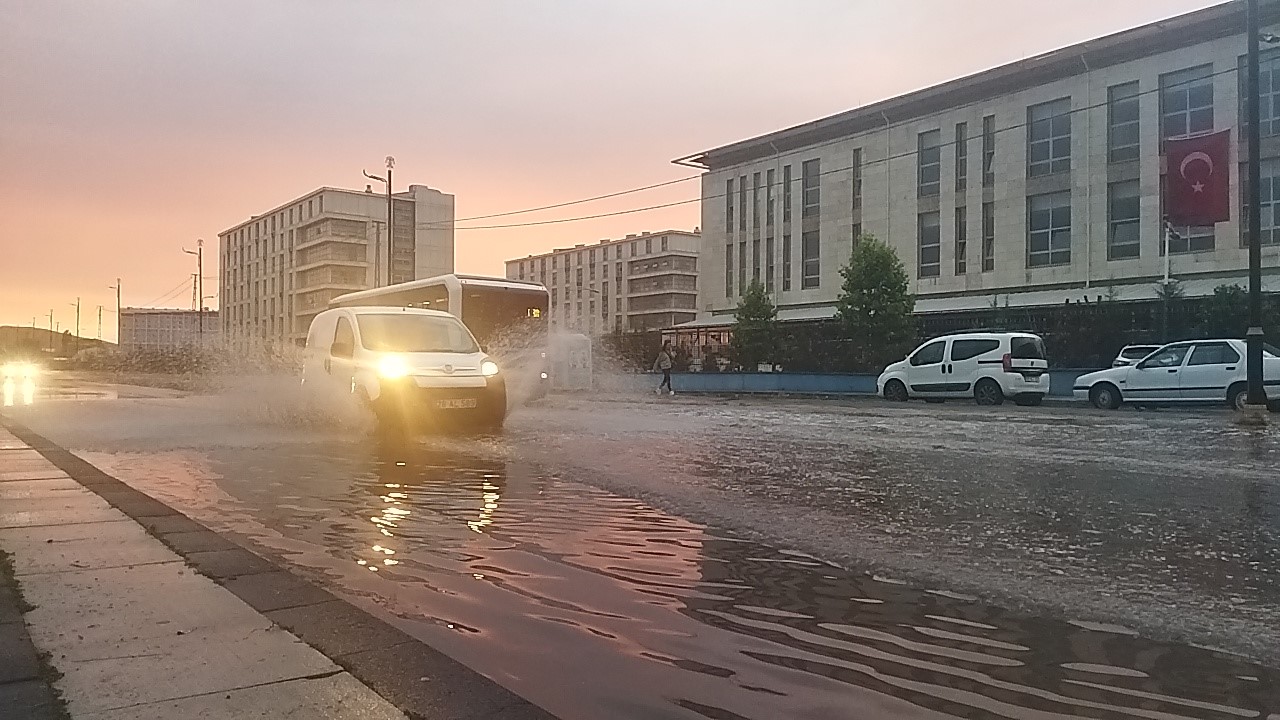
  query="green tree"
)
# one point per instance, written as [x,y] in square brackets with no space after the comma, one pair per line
[1171,297]
[1226,312]
[755,328]
[875,306]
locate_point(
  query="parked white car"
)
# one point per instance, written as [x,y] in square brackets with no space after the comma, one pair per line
[1196,371]
[985,366]
[409,366]
[1130,354]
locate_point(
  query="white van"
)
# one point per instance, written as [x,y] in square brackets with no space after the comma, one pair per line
[410,366]
[985,366]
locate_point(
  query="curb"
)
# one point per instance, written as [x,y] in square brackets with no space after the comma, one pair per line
[419,680]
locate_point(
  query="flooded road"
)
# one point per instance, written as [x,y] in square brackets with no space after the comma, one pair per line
[592,603]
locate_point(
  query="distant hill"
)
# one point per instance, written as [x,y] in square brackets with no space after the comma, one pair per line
[16,339]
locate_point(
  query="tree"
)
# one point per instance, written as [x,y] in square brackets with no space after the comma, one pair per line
[755,329]
[1170,295]
[875,305]
[1226,312]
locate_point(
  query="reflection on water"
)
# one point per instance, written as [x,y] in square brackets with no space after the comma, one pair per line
[19,391]
[594,606]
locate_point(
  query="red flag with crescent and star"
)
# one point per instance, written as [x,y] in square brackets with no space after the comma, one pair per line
[1197,182]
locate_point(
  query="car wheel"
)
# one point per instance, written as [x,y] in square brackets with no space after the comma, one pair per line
[1029,400]
[1238,396]
[988,392]
[1105,396]
[895,391]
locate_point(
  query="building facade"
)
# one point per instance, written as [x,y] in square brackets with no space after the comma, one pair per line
[279,269]
[641,282]
[167,329]
[1035,183]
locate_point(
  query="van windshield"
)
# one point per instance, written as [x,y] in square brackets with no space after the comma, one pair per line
[414,333]
[1027,348]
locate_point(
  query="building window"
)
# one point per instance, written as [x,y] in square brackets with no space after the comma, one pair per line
[989,151]
[742,267]
[311,208]
[648,246]
[786,262]
[962,157]
[962,240]
[635,248]
[755,200]
[1049,138]
[857,178]
[786,193]
[1122,122]
[810,260]
[1270,196]
[1268,92]
[728,270]
[665,243]
[810,188]
[1186,102]
[742,203]
[1124,220]
[929,163]
[755,260]
[768,264]
[929,235]
[769,179]
[1049,230]
[728,205]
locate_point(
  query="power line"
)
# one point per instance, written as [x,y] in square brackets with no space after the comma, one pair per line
[583,200]
[169,295]
[848,168]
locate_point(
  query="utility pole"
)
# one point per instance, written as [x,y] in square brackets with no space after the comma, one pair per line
[197,287]
[99,323]
[76,343]
[1254,338]
[52,333]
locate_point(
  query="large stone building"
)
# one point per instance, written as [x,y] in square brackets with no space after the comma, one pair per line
[279,269]
[143,329]
[641,282]
[1032,184]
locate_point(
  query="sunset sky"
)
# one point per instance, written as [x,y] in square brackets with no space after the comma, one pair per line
[130,129]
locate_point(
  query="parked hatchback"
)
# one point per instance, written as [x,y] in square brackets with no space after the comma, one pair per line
[1199,371]
[986,366]
[1130,354]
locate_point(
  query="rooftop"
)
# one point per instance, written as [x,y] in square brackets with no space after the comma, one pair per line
[1125,46]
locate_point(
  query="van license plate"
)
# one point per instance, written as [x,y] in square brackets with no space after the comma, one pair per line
[456,404]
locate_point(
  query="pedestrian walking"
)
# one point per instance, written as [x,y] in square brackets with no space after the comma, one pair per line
[663,364]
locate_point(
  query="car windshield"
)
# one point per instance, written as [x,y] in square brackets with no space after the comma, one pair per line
[409,332]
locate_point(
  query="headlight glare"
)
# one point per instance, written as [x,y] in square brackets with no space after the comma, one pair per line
[392,367]
[488,368]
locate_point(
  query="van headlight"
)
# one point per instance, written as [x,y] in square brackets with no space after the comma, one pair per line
[488,368]
[392,367]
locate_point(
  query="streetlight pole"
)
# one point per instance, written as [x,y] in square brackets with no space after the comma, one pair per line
[116,287]
[391,163]
[76,344]
[99,323]
[1254,338]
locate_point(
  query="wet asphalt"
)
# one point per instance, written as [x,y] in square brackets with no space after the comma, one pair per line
[720,558]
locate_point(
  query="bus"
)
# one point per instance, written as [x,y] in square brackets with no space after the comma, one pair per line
[508,317]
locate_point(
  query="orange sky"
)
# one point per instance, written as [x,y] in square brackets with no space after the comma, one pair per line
[127,131]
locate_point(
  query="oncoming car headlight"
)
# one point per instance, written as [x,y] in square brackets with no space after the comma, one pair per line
[19,370]
[488,368]
[392,367]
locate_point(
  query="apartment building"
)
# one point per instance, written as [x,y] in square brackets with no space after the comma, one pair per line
[282,267]
[641,282]
[167,329]
[1032,184]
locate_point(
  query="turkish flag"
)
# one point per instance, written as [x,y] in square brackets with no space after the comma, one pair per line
[1198,179]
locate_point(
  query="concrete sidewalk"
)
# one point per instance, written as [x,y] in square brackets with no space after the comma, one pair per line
[135,632]
[146,614]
